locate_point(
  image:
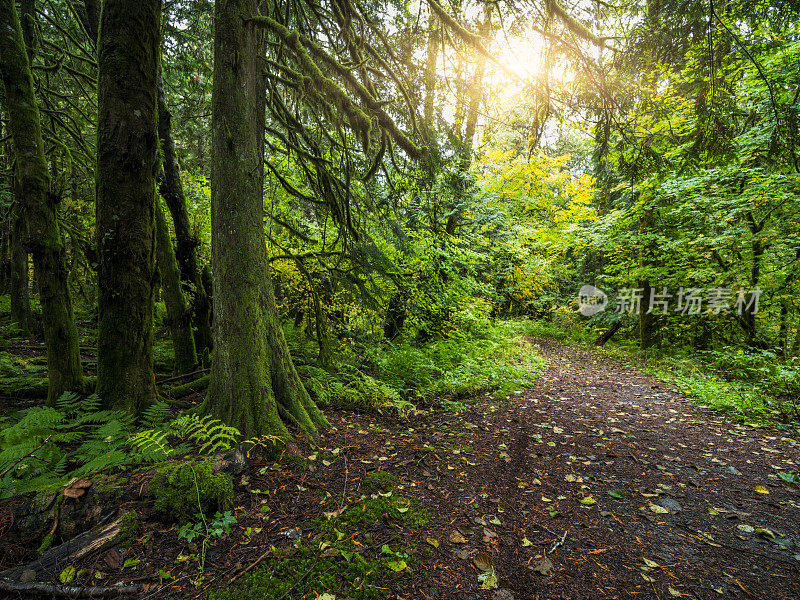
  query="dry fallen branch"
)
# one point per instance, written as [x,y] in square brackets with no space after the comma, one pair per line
[69,591]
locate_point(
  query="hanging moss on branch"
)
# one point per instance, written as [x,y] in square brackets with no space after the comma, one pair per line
[359,120]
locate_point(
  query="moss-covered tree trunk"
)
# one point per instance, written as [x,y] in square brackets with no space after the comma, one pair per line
[171,189]
[179,316]
[19,278]
[430,68]
[39,208]
[254,385]
[127,149]
[15,278]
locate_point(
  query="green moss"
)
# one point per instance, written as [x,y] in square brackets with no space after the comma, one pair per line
[46,542]
[377,508]
[348,570]
[130,528]
[347,574]
[380,480]
[295,462]
[108,487]
[182,489]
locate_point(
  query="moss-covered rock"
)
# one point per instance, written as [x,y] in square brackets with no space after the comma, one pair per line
[181,490]
[380,481]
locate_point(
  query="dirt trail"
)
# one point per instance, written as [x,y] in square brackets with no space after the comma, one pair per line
[597,483]
[695,507]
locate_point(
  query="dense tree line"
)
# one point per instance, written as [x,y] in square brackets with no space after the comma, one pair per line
[371,174]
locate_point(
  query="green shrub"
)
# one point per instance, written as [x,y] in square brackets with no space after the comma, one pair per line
[739,364]
[183,488]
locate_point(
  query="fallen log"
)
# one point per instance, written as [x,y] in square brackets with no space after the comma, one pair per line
[179,391]
[608,334]
[69,591]
[34,387]
[51,561]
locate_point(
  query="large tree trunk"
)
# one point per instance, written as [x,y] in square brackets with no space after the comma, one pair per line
[19,281]
[179,317]
[15,279]
[171,189]
[253,382]
[39,208]
[647,321]
[127,144]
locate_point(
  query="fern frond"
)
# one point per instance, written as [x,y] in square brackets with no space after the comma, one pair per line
[155,415]
[101,462]
[69,402]
[38,422]
[152,444]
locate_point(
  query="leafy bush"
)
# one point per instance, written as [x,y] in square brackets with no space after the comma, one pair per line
[739,364]
[352,389]
[502,361]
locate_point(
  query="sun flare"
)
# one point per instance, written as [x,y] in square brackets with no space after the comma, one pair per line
[524,56]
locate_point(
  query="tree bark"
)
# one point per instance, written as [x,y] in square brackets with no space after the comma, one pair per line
[646,320]
[254,385]
[171,189]
[39,208]
[127,145]
[476,89]
[179,316]
[19,281]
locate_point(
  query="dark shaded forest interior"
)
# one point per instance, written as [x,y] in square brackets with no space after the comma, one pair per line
[347,299]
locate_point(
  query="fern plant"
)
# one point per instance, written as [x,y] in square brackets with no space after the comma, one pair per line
[46,446]
[206,434]
[42,448]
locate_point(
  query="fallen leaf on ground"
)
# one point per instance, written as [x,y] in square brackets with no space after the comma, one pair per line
[397,565]
[457,538]
[483,561]
[543,566]
[488,580]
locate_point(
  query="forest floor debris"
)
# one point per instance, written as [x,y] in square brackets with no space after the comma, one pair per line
[597,482]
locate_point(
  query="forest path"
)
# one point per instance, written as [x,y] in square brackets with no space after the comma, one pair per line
[596,483]
[629,489]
